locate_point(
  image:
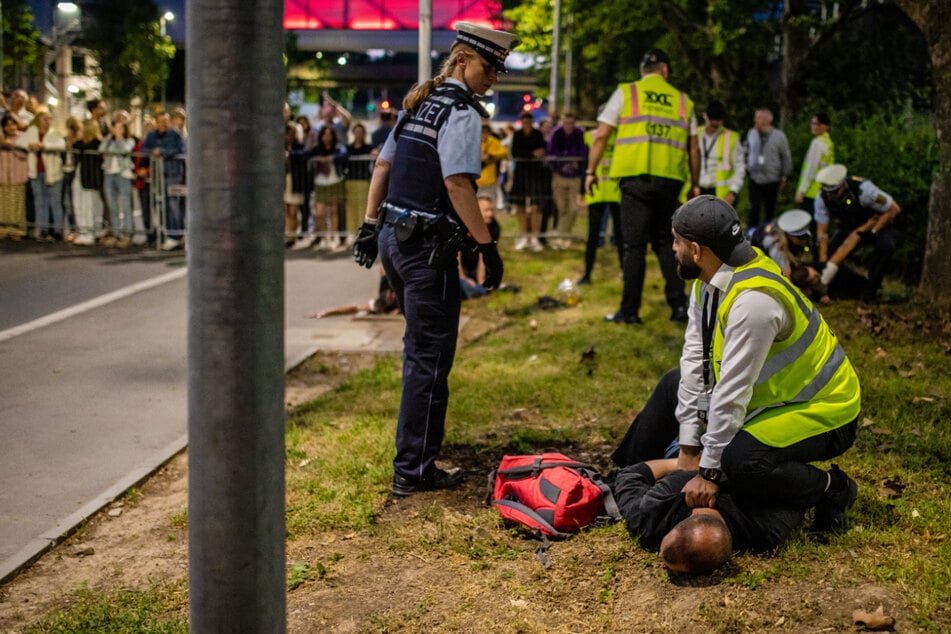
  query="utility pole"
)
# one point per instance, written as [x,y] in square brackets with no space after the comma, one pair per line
[425,67]
[569,59]
[236,528]
[555,57]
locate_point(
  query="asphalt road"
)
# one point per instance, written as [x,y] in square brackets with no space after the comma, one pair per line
[93,366]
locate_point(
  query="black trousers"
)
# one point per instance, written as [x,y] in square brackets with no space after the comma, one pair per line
[647,205]
[757,470]
[596,213]
[762,202]
[884,242]
[430,301]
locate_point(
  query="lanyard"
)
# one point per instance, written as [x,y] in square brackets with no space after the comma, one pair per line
[708,321]
[707,148]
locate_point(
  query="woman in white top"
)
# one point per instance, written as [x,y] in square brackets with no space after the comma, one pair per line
[116,151]
[45,164]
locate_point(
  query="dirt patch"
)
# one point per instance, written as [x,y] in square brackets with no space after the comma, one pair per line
[443,562]
[323,372]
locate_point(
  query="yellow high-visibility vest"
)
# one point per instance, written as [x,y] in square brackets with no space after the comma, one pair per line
[826,160]
[607,189]
[726,142]
[653,131]
[807,385]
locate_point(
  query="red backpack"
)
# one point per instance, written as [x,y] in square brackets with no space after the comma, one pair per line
[550,493]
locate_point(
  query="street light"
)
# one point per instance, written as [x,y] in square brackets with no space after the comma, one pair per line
[66,24]
[166,17]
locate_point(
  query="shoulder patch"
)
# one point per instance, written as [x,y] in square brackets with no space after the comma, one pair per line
[880,199]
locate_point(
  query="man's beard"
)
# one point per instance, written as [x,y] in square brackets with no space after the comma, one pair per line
[687,269]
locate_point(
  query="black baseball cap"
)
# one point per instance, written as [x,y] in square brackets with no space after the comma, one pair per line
[712,222]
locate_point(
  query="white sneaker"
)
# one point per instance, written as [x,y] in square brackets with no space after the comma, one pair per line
[535,245]
[84,240]
[302,243]
[170,244]
[521,244]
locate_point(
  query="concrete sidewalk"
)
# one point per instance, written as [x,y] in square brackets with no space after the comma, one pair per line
[94,403]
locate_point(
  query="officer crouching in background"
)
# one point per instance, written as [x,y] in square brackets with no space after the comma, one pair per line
[421,210]
[862,213]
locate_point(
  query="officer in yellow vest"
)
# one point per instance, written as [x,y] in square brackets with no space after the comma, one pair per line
[722,159]
[765,386]
[821,153]
[603,199]
[655,152]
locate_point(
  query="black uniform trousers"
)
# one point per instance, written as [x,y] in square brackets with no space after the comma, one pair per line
[430,301]
[761,472]
[647,205]
[884,242]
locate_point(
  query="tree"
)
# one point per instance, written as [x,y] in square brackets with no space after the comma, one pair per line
[719,49]
[933,17]
[124,36]
[23,51]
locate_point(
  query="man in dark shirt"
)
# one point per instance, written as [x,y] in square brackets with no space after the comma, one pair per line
[387,121]
[695,540]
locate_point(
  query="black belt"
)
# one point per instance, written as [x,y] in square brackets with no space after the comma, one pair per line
[411,224]
[391,214]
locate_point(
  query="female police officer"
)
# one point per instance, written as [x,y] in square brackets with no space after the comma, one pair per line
[421,205]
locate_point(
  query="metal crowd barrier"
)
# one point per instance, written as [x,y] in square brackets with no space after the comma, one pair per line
[525,183]
[155,206]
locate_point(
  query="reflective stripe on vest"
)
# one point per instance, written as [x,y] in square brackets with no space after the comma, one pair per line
[608,190]
[825,160]
[807,385]
[724,172]
[653,130]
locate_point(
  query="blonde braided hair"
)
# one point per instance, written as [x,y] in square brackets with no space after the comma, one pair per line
[419,92]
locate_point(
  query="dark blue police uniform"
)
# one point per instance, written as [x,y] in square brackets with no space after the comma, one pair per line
[440,139]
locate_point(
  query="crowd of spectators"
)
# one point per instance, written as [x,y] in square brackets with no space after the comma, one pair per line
[91,183]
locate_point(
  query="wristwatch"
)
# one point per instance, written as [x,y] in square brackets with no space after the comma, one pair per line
[711,475]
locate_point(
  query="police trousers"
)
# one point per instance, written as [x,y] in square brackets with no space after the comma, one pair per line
[430,301]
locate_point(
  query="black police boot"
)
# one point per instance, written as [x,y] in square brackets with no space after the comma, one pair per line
[679,314]
[621,318]
[439,479]
[832,510]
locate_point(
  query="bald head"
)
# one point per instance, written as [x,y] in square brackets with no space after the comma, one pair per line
[698,545]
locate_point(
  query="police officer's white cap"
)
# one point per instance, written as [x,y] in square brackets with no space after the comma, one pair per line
[830,177]
[492,45]
[795,222]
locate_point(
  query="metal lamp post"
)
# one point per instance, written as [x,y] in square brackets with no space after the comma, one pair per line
[66,21]
[166,17]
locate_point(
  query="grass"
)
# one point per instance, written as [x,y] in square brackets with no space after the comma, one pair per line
[563,379]
[159,610]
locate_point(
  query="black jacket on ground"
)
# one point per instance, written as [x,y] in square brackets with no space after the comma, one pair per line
[651,508]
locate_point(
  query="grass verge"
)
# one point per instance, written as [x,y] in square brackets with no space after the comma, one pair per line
[529,380]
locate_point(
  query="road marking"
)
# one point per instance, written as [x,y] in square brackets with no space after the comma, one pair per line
[96,302]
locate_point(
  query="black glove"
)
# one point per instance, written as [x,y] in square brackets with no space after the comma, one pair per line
[365,248]
[493,265]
